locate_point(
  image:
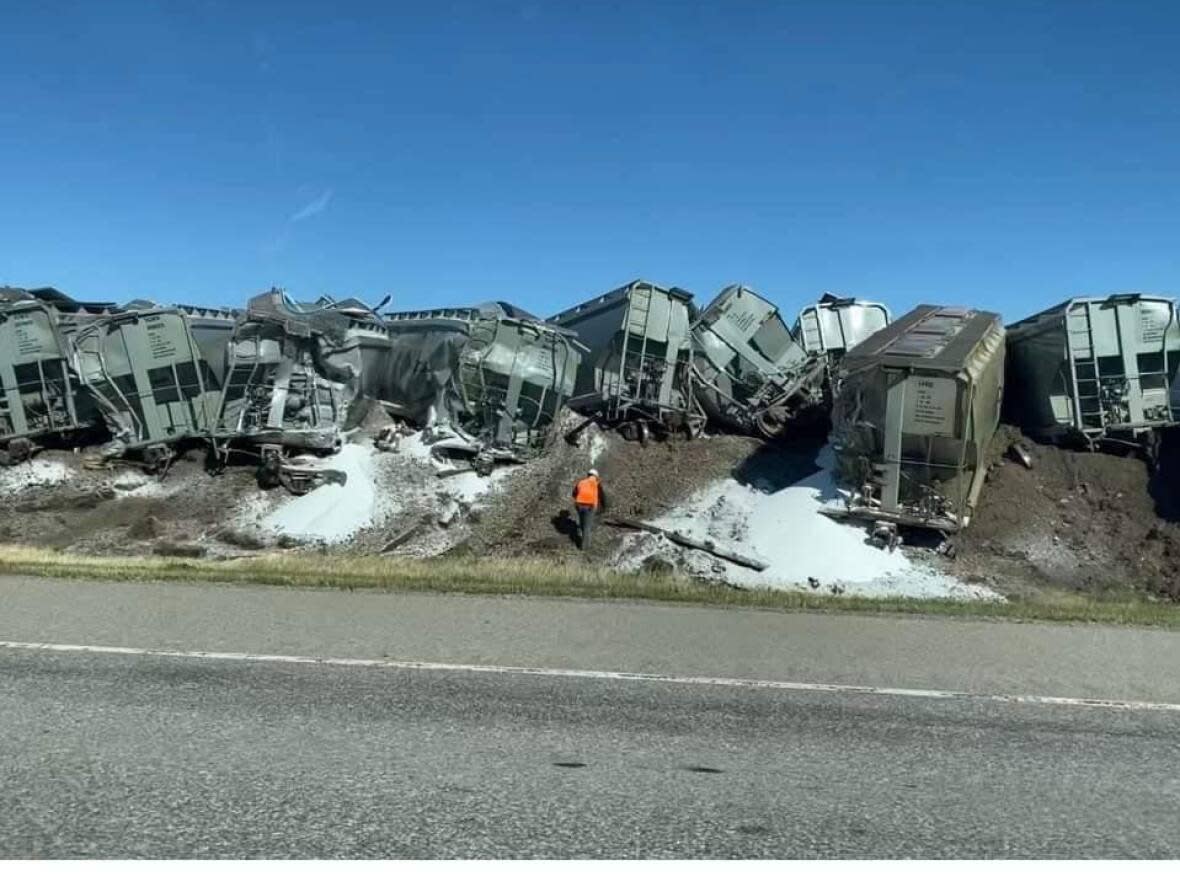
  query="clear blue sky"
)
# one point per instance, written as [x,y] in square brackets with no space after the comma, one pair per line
[1002,155]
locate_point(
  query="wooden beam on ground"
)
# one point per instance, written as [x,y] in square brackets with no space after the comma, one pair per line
[401,538]
[684,541]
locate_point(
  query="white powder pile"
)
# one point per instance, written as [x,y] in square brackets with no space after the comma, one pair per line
[33,474]
[333,512]
[800,545]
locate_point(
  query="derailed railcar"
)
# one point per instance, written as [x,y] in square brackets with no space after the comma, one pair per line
[150,379]
[638,374]
[493,373]
[834,324]
[291,377]
[916,407]
[756,375]
[1095,369]
[751,373]
[39,395]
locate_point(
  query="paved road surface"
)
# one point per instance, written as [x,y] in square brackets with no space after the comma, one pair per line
[119,754]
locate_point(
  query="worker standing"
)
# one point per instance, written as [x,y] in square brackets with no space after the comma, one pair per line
[589,498]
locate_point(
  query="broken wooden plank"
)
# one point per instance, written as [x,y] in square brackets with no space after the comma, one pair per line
[685,541]
[572,436]
[401,538]
[448,472]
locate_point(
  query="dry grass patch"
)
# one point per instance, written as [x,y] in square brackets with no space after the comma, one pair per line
[534,577]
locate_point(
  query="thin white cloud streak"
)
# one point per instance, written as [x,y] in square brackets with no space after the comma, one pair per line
[315,207]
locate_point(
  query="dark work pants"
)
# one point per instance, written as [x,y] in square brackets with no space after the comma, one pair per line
[585,524]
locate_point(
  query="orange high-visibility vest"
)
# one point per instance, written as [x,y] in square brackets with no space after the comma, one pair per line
[586,491]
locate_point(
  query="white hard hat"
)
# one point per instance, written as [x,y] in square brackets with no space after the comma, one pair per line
[593,472]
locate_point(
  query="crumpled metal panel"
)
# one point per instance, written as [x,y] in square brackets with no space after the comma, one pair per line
[492,372]
[365,344]
[292,374]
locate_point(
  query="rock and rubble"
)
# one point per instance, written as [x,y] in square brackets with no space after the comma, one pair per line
[1077,521]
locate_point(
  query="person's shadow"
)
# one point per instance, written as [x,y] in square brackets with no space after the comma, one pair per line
[565,524]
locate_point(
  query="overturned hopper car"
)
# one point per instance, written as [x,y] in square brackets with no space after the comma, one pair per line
[916,407]
[756,375]
[1095,369]
[40,396]
[292,374]
[493,373]
[638,374]
[151,379]
[834,324]
[751,373]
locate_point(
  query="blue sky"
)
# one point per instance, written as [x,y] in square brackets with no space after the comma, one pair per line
[1001,155]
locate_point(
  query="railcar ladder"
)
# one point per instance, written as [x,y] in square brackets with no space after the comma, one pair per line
[483,337]
[637,317]
[1087,384]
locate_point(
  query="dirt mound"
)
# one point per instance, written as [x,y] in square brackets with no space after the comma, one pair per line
[1098,523]
[533,514]
[1077,520]
[119,509]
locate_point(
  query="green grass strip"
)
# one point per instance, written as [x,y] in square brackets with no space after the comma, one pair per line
[539,578]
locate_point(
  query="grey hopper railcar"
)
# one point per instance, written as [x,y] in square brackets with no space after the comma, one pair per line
[40,397]
[916,407]
[494,373]
[149,377]
[639,370]
[1095,369]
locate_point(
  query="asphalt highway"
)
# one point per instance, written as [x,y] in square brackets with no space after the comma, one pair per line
[114,750]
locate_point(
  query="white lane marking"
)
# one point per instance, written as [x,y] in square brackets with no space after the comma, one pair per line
[726,681]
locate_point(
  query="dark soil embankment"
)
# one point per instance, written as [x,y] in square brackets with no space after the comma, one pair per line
[119,510]
[1084,521]
[533,514]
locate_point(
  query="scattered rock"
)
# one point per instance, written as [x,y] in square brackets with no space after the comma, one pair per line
[144,529]
[1020,453]
[89,500]
[240,538]
[657,565]
[178,550]
[449,512]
